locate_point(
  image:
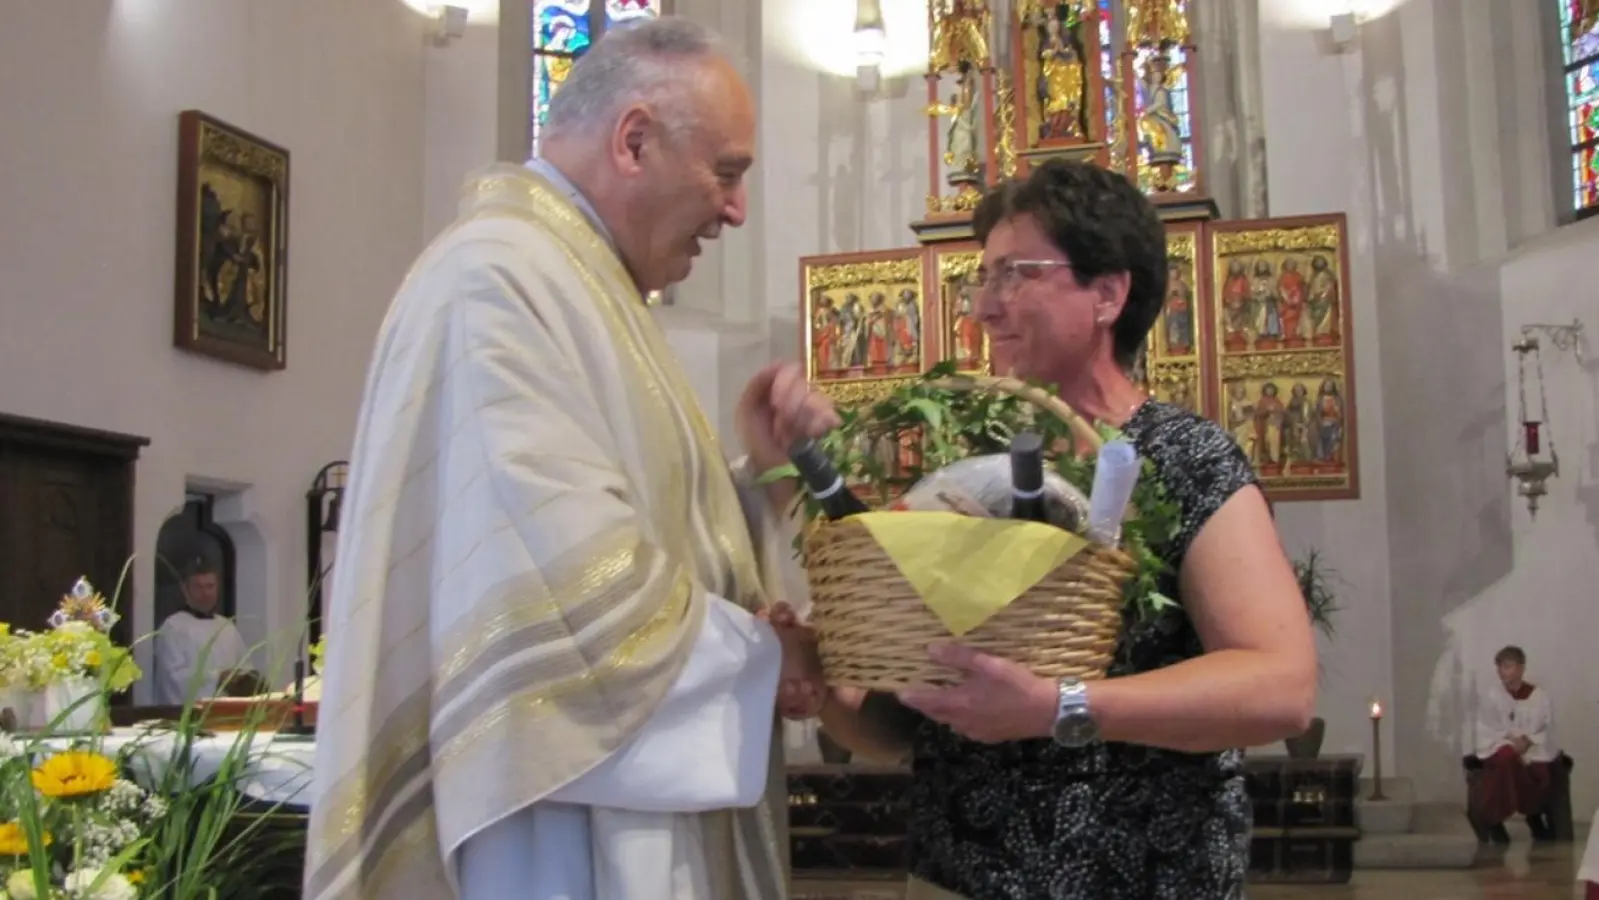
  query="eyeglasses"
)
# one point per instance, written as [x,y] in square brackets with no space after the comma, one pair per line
[1013,271]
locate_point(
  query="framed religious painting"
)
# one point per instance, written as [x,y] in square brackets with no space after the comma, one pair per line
[1176,355]
[961,338]
[866,322]
[1284,378]
[233,226]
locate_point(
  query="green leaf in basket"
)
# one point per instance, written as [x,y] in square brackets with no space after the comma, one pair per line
[1158,601]
[786,470]
[931,412]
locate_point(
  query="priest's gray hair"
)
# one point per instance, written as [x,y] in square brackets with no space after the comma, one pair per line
[639,62]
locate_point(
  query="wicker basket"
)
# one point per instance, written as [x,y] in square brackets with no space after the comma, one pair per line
[874,629]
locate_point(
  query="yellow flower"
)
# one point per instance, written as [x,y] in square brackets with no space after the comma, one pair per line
[75,773]
[92,658]
[14,841]
[136,876]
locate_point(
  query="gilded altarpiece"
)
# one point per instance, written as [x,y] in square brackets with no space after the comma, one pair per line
[1253,331]
[1279,319]
[961,338]
[1176,356]
[1158,83]
[866,321]
[963,143]
[1062,55]
[870,325]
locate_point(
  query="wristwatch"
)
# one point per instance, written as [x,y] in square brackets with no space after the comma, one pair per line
[1074,727]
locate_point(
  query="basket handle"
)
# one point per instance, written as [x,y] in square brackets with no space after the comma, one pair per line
[1081,430]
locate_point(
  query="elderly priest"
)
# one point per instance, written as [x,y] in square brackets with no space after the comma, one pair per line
[545,676]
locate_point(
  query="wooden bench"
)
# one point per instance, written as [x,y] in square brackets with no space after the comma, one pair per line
[1553,824]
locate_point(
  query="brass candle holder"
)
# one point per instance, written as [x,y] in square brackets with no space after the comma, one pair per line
[1376,752]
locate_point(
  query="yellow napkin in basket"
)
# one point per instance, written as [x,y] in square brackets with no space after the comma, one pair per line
[968,568]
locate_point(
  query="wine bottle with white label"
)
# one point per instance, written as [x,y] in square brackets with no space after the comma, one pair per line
[1027,478]
[824,481]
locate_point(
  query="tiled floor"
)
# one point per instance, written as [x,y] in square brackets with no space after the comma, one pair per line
[1522,872]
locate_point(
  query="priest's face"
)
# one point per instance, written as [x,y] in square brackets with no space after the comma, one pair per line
[201,592]
[694,187]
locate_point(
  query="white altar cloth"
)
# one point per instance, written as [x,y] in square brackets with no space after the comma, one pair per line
[277,768]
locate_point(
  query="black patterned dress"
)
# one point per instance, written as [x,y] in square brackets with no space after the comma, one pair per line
[1031,820]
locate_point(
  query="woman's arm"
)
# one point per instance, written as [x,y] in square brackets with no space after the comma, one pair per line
[869,724]
[1256,681]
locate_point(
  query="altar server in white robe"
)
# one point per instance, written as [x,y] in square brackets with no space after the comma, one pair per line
[1515,751]
[544,679]
[198,648]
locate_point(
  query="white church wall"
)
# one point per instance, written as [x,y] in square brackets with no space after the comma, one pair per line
[1546,603]
[1317,163]
[1431,131]
[841,171]
[91,93]
[462,110]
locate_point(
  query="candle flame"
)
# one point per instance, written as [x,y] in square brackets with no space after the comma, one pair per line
[1376,709]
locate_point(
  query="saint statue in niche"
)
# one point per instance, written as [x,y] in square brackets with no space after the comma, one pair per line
[1179,312]
[1062,85]
[1329,427]
[1291,303]
[907,332]
[1296,450]
[960,35]
[1323,303]
[1160,135]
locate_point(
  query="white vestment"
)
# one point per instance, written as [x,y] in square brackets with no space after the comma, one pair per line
[1501,717]
[543,679]
[186,644]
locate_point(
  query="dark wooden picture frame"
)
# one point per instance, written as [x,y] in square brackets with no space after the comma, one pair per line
[232,244]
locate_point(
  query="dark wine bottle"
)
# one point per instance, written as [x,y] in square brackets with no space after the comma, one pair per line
[824,481]
[1027,478]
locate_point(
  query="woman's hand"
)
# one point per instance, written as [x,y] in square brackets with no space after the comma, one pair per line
[801,692]
[997,700]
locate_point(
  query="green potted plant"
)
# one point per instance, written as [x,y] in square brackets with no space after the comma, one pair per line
[1316,581]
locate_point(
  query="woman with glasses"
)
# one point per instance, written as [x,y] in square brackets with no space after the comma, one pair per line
[1129,787]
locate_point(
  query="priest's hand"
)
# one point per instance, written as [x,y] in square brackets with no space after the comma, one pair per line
[801,691]
[777,408]
[996,700]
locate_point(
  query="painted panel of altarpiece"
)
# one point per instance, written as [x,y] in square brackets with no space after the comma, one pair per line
[1284,355]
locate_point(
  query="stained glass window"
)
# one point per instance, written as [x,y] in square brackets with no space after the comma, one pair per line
[562,32]
[1579,37]
[623,10]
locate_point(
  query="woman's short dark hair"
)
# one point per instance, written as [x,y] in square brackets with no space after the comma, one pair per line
[1103,223]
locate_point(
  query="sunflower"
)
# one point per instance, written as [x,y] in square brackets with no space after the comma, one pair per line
[75,773]
[14,841]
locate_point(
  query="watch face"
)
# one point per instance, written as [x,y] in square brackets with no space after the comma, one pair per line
[1075,729]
